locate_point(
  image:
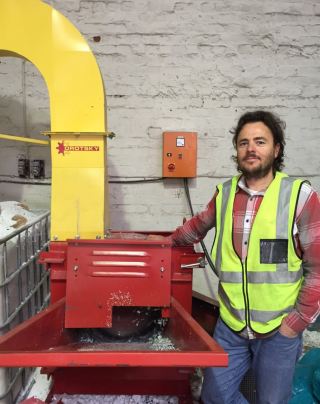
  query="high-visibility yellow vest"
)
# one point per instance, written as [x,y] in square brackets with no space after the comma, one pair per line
[260,291]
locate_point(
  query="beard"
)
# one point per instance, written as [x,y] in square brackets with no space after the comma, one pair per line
[259,171]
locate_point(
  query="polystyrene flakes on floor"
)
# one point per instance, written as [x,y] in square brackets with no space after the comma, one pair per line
[110,399]
[311,339]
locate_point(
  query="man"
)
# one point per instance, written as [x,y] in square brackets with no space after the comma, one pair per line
[267,255]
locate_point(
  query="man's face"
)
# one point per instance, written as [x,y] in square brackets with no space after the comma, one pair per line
[256,150]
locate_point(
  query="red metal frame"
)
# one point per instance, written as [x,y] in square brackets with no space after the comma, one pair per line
[128,381]
[43,341]
[84,274]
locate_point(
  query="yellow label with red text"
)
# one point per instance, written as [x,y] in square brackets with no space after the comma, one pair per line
[77,151]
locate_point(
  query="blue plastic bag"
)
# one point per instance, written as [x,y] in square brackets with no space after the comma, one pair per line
[306,381]
[316,383]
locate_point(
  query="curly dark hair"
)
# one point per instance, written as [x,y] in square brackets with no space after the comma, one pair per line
[273,122]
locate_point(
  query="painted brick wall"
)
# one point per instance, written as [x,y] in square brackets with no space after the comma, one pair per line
[183,65]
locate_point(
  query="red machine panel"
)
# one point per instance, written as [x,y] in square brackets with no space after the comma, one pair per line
[102,274]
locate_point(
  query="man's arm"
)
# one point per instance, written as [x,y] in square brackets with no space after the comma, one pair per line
[308,302]
[197,227]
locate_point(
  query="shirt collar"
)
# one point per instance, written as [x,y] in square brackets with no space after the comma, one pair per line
[243,186]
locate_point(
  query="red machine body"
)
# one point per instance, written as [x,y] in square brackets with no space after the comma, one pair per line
[109,274]
[89,280]
[96,275]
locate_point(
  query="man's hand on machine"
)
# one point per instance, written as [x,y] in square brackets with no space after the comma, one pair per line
[156,237]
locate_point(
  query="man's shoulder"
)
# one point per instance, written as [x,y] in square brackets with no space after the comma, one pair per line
[308,197]
[235,178]
[306,186]
[308,202]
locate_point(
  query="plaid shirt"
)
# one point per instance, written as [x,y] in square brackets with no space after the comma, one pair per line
[306,235]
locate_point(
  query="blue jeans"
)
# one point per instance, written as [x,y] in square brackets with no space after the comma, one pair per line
[272,360]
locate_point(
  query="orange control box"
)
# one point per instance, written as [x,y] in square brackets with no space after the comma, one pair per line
[179,154]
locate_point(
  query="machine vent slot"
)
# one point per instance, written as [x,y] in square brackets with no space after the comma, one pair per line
[122,253]
[120,274]
[119,264]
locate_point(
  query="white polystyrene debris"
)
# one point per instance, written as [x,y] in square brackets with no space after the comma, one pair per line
[160,343]
[311,339]
[13,213]
[110,399]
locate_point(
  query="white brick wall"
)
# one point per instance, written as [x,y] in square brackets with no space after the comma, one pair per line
[184,65]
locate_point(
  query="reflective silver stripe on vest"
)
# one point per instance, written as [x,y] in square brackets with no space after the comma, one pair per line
[240,314]
[224,202]
[230,277]
[274,277]
[282,220]
[262,316]
[262,277]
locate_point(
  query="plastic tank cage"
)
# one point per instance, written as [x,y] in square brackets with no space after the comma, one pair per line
[24,291]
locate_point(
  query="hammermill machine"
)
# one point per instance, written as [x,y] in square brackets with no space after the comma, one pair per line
[109,290]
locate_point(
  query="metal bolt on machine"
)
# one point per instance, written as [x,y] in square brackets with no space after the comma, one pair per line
[119,286]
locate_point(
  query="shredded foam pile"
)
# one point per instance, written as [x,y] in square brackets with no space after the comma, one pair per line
[159,344]
[311,339]
[110,399]
[91,340]
[14,215]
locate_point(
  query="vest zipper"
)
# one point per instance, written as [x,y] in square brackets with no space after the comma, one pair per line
[244,285]
[245,291]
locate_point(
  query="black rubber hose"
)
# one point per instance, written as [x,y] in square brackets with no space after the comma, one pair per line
[204,248]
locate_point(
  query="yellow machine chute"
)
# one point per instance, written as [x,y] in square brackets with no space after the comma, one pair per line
[35,31]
